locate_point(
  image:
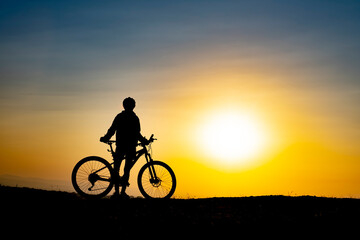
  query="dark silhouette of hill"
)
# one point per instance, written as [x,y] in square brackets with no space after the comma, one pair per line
[39,183]
[25,208]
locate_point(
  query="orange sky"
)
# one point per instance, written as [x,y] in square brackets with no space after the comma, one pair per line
[299,81]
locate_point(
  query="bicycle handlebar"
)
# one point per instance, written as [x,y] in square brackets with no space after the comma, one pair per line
[151,139]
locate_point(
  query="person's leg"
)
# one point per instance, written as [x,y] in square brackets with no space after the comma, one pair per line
[117,163]
[129,157]
[116,176]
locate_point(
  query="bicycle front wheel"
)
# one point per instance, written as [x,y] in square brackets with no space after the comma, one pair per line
[156,180]
[91,177]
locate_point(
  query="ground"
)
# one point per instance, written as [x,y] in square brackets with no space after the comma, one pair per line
[63,212]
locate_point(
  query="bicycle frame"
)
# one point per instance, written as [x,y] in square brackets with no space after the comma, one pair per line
[139,153]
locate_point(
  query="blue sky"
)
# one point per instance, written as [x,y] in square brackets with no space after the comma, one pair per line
[68,38]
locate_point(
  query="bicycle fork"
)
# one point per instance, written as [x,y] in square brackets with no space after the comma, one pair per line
[154,179]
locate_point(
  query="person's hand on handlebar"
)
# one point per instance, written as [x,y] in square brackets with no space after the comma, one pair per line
[104,140]
[144,141]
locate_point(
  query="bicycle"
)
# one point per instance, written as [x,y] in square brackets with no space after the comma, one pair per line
[93,176]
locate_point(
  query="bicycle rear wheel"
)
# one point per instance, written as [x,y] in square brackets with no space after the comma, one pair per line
[156,180]
[91,177]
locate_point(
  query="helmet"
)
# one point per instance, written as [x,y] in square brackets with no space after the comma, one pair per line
[129,103]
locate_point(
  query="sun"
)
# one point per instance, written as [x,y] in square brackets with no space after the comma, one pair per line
[231,138]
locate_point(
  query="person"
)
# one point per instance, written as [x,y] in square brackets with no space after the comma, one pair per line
[127,127]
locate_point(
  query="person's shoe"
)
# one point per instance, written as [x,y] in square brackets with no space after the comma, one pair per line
[124,196]
[115,196]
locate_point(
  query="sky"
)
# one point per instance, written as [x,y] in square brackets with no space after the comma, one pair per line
[292,67]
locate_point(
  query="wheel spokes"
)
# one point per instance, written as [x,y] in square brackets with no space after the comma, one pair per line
[93,173]
[160,186]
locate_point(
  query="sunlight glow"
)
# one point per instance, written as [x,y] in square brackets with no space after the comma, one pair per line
[231,138]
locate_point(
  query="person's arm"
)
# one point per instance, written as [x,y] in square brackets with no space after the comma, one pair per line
[111,131]
[140,137]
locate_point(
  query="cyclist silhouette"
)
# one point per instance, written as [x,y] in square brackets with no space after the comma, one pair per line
[127,127]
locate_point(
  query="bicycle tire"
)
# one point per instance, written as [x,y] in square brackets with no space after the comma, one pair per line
[81,180]
[165,188]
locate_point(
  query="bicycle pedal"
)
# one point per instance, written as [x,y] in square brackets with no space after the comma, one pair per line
[125,184]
